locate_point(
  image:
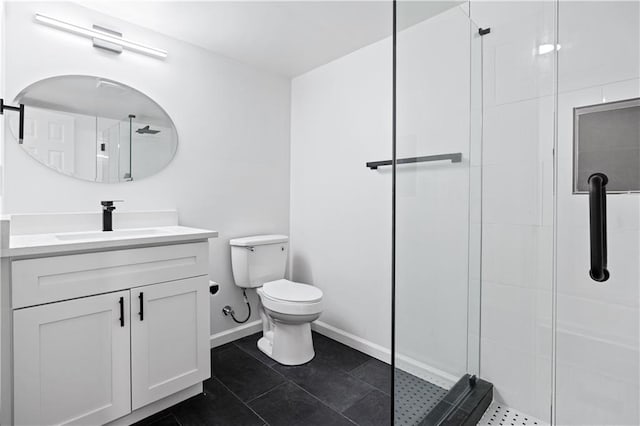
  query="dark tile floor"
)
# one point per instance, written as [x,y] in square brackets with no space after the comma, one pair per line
[340,386]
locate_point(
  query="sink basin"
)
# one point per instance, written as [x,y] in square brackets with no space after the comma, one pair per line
[111,235]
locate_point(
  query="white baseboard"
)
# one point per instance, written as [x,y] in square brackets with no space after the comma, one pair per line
[372,349]
[405,363]
[426,372]
[235,333]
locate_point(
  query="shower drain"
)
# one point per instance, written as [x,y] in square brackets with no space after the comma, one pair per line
[500,415]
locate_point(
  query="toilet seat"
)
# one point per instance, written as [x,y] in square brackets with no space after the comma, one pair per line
[289,291]
[288,297]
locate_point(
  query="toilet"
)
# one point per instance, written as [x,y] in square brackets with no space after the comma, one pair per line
[287,308]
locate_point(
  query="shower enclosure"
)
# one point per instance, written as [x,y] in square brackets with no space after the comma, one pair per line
[516,209]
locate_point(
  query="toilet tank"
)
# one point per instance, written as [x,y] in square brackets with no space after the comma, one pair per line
[258,259]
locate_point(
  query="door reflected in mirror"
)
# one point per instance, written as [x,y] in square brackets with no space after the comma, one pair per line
[95,129]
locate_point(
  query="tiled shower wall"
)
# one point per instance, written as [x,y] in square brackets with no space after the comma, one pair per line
[597,325]
[598,353]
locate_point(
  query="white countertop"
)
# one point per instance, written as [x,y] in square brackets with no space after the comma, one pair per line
[64,242]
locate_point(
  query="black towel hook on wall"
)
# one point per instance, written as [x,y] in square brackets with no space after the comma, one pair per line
[20,109]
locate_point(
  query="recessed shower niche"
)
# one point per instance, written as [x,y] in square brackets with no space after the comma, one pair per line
[95,129]
[607,140]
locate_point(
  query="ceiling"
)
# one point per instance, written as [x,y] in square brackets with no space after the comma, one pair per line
[284,37]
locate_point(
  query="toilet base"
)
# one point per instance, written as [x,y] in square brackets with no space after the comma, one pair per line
[288,344]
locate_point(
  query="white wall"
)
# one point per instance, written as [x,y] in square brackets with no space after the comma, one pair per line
[231,169]
[341,210]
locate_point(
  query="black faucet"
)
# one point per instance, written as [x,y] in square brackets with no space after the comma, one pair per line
[107,219]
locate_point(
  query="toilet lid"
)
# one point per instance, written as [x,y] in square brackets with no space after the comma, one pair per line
[288,291]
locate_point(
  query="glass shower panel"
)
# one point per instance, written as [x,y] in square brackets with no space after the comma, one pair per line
[518,117]
[437,204]
[597,347]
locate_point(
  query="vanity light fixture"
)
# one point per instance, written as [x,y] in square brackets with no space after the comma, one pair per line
[101,35]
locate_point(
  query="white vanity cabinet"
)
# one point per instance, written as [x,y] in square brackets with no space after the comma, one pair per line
[169,338]
[71,361]
[97,336]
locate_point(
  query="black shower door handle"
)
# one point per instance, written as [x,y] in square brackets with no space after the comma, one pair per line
[598,226]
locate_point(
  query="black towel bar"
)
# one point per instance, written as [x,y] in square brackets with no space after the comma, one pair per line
[455,157]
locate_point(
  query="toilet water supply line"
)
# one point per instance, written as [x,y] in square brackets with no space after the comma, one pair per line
[228,310]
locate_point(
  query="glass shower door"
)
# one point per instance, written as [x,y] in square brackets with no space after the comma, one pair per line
[437,204]
[597,371]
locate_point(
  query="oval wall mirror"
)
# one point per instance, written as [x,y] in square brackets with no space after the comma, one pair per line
[95,129]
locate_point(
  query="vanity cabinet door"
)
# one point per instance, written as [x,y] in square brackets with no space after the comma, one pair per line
[72,361]
[169,338]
